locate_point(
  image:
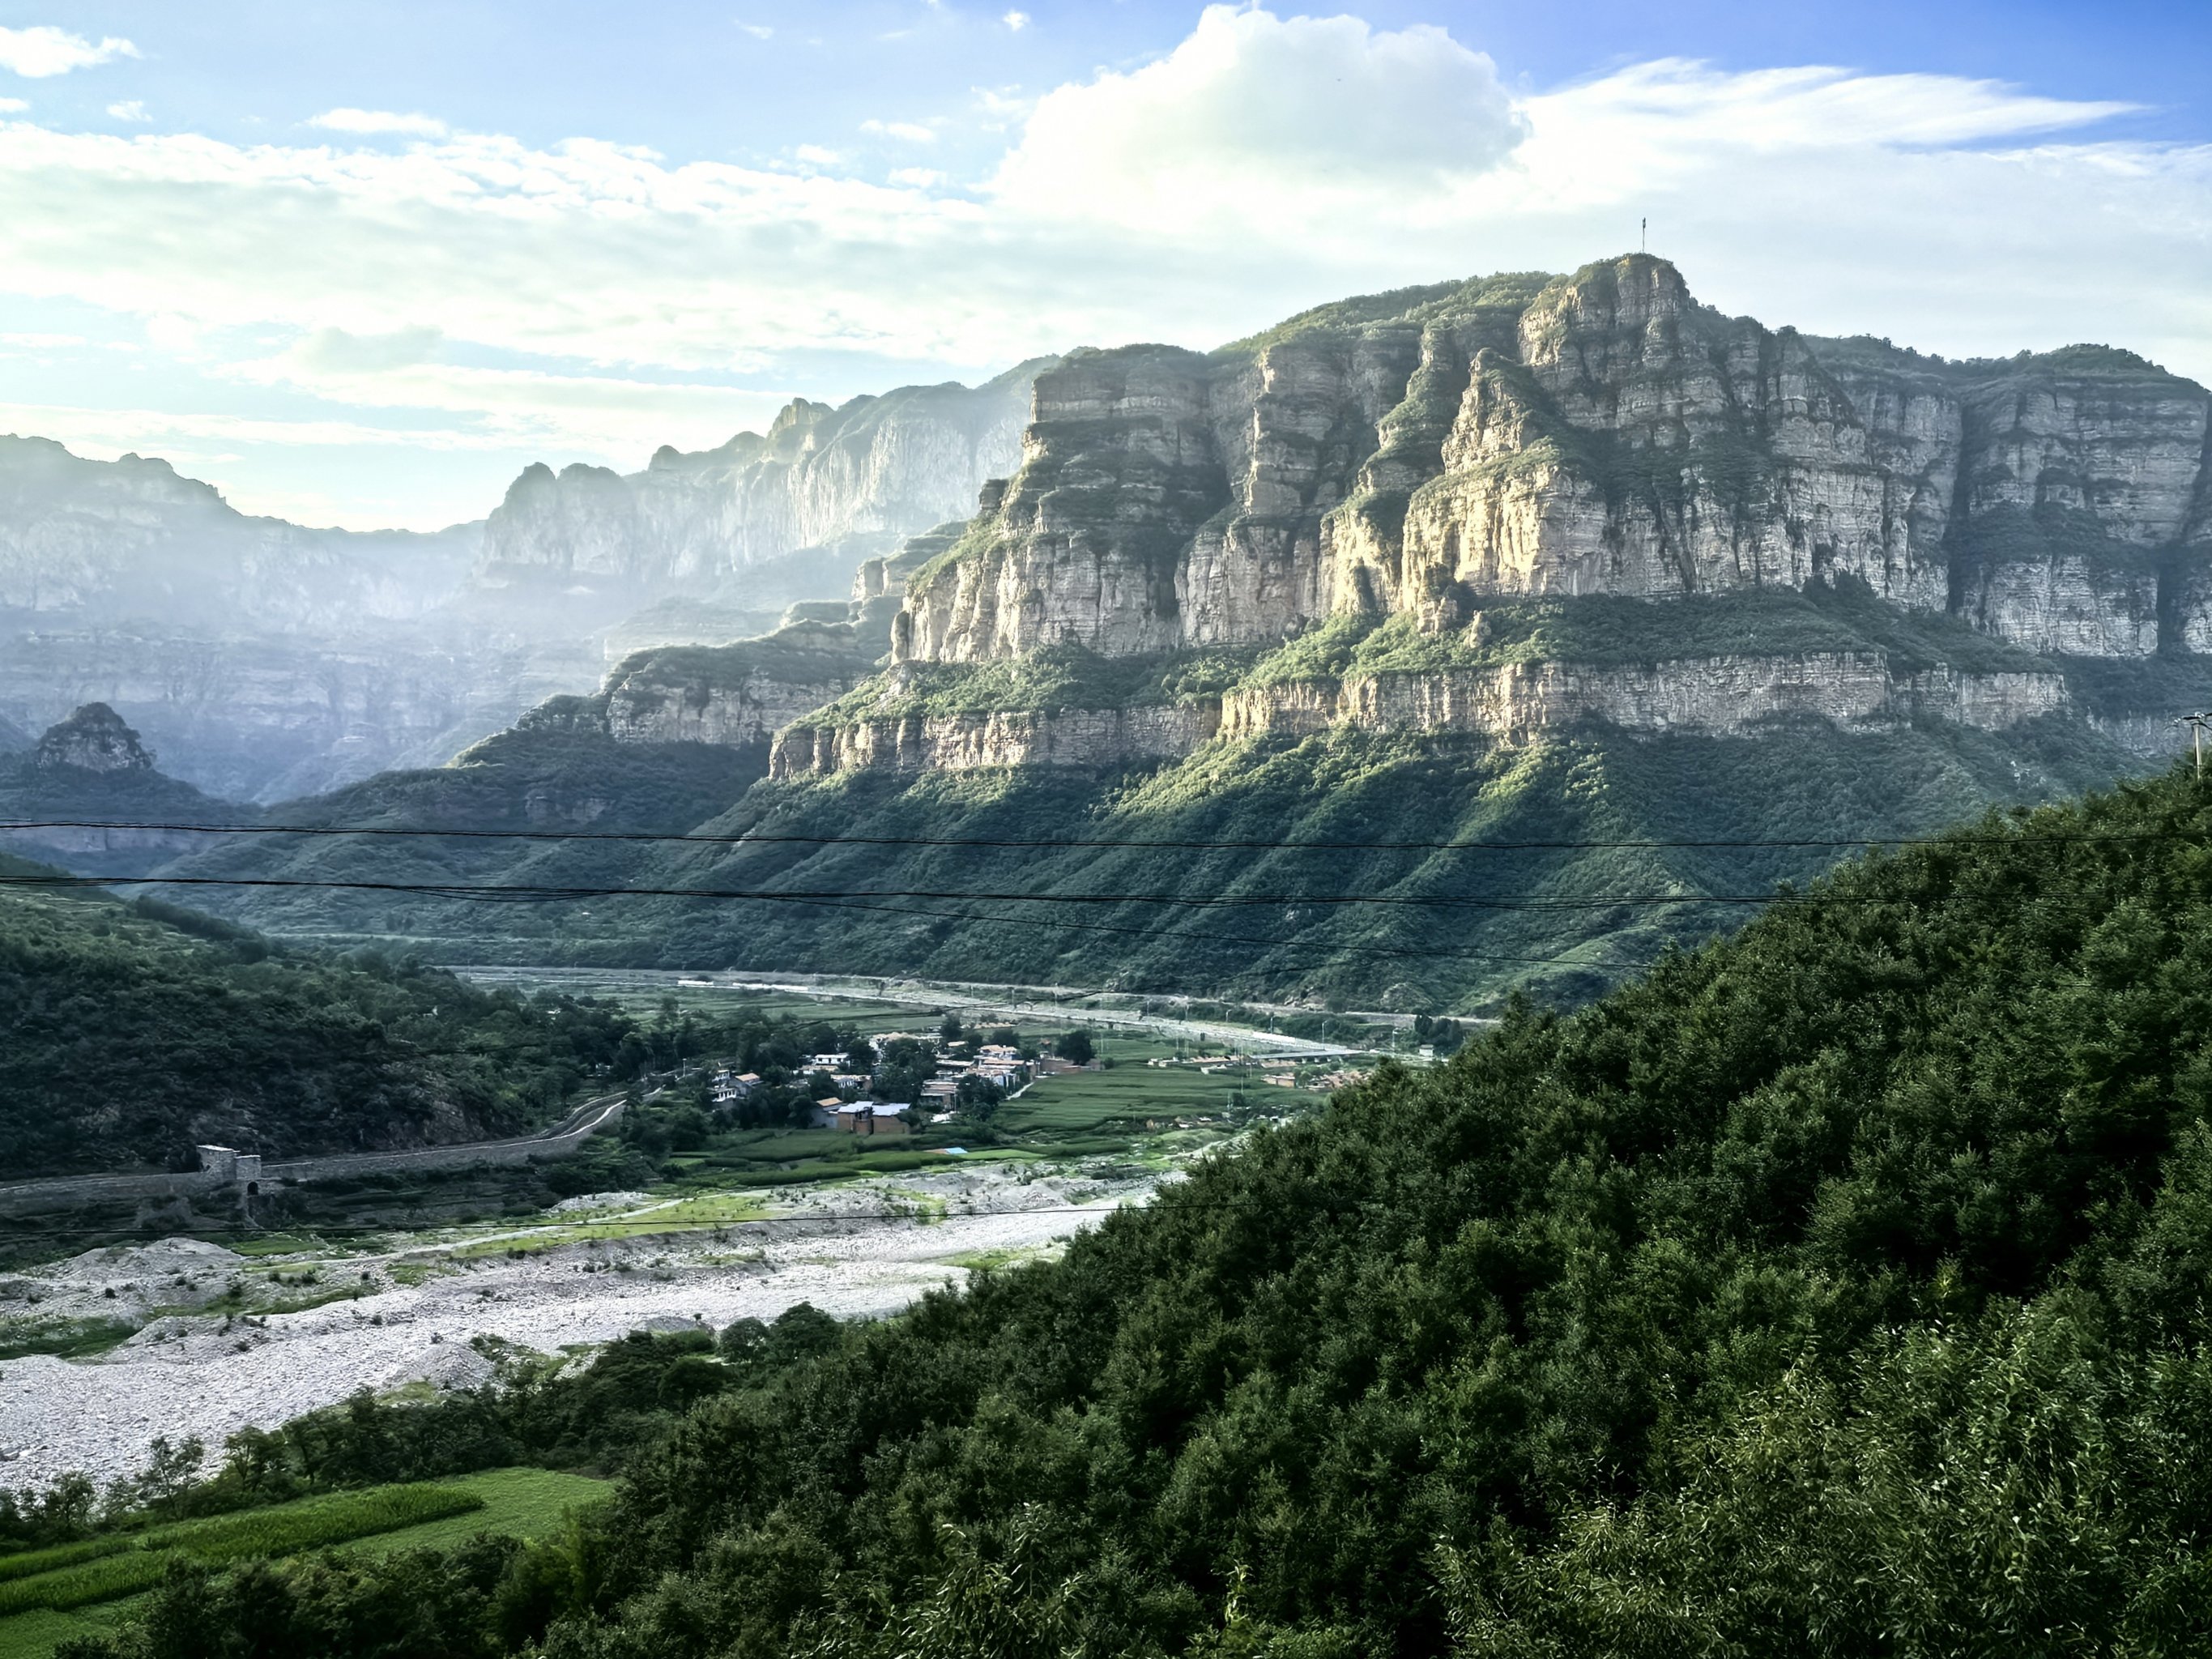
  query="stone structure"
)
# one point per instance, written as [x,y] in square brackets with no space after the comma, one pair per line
[223,1171]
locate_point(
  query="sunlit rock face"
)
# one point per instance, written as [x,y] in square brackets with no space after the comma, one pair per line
[1424,452]
[266,660]
[860,476]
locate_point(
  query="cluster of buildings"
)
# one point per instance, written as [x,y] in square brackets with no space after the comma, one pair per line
[999,1065]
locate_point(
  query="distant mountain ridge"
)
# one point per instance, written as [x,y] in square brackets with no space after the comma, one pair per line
[266,660]
[852,480]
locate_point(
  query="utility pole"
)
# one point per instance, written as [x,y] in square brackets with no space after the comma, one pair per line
[2196,724]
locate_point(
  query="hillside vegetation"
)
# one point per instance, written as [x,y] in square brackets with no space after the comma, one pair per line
[128,1032]
[1836,1289]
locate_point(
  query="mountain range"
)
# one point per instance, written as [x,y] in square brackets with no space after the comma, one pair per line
[266,660]
[1427,645]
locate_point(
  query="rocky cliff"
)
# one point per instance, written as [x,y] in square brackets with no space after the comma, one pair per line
[94,789]
[1854,690]
[1428,453]
[848,481]
[120,542]
[734,695]
[94,738]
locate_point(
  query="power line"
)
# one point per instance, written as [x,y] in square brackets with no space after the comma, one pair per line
[524,895]
[530,893]
[1082,844]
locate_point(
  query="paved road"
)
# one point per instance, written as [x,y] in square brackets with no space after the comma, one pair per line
[1020,1002]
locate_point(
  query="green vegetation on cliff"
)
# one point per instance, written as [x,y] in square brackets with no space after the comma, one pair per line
[1567,920]
[1837,1289]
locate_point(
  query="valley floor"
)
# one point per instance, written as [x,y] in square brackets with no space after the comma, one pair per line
[433,1311]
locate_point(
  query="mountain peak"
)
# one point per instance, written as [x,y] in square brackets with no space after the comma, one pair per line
[94,738]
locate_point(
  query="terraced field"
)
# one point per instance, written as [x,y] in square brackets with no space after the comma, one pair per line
[47,1596]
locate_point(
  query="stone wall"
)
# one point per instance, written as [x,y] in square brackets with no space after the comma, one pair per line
[72,1192]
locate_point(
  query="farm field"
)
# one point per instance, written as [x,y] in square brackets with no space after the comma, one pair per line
[1137,1094]
[48,1595]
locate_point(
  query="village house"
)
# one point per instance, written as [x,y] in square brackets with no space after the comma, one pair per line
[872,1117]
[731,1087]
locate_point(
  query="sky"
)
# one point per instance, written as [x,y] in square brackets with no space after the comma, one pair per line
[358,263]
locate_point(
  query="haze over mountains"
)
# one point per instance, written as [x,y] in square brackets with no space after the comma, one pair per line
[1574,563]
[266,660]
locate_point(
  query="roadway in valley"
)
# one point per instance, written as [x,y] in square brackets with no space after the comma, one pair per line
[1049,1005]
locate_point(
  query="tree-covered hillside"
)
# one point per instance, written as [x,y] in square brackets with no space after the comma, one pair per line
[1836,1289]
[128,1032]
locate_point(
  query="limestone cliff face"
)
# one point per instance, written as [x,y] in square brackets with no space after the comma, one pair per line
[732,695]
[878,467]
[1428,452]
[1097,739]
[1722,697]
[1118,473]
[1714,696]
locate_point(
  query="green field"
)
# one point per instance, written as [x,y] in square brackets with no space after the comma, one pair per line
[1136,1095]
[73,1590]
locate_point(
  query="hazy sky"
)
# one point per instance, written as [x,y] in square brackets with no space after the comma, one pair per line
[357,263]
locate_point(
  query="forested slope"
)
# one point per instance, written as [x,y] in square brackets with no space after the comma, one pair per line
[1838,1288]
[128,1032]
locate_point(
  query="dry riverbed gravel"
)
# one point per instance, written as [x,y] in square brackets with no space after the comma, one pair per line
[205,1362]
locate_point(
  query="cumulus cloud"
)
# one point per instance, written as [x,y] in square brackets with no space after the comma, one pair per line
[380,120]
[130,109]
[1266,164]
[12,107]
[1016,21]
[1257,117]
[759,30]
[45,50]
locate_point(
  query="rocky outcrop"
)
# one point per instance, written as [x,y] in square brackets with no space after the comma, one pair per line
[861,475]
[1427,452]
[1098,738]
[94,738]
[1713,697]
[91,788]
[734,695]
[1118,473]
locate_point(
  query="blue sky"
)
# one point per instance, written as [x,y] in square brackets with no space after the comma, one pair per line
[357,263]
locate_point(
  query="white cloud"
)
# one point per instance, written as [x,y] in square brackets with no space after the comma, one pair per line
[12,107]
[1016,21]
[130,109]
[1266,164]
[759,30]
[43,51]
[913,132]
[380,120]
[1259,117]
